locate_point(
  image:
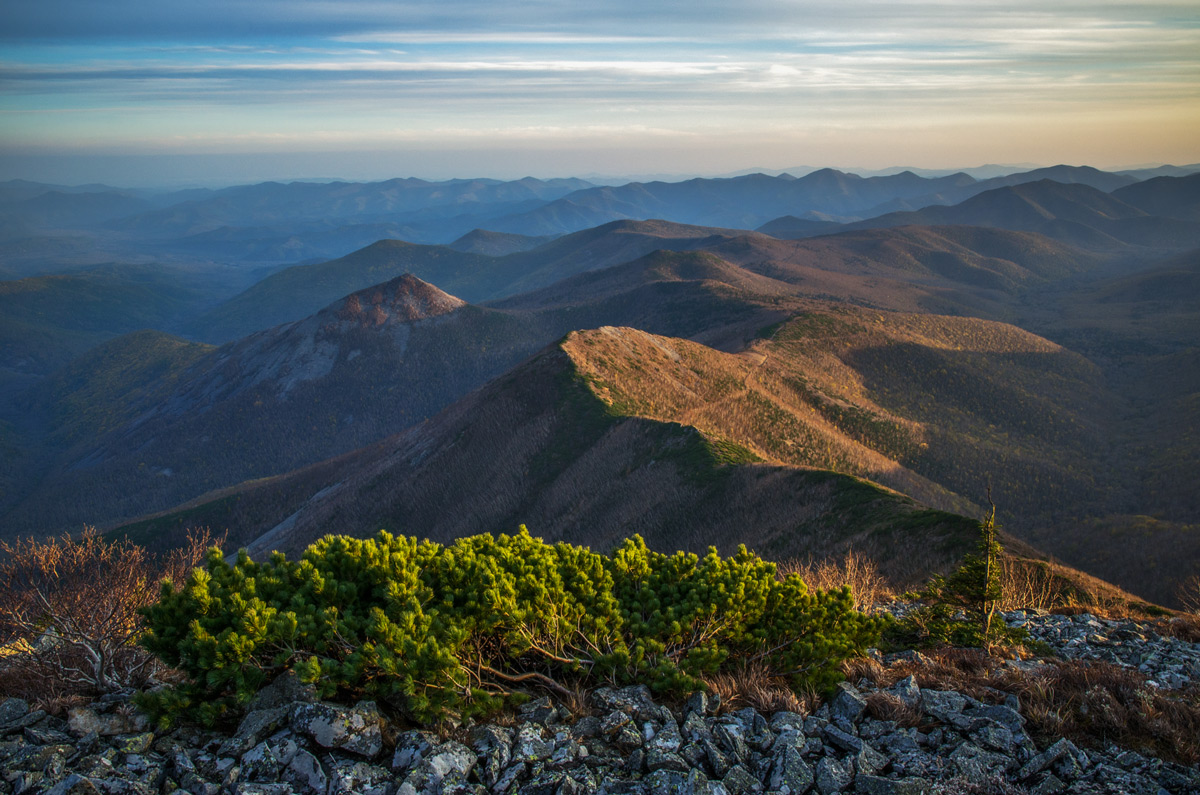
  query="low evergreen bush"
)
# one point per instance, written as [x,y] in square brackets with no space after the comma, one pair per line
[436,630]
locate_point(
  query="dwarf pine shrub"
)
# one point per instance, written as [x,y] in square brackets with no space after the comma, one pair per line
[959,609]
[438,630]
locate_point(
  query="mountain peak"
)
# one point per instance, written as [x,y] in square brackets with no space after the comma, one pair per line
[404,299]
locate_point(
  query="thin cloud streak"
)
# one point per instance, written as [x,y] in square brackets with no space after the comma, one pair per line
[231,74]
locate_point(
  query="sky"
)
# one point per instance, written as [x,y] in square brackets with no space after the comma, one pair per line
[146,92]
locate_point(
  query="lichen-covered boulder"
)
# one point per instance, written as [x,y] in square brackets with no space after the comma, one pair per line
[357,729]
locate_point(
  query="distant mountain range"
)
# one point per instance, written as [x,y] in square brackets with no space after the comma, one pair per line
[749,201]
[834,379]
[274,223]
[1075,213]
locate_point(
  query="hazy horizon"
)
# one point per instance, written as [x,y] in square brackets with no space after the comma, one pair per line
[222,171]
[137,93]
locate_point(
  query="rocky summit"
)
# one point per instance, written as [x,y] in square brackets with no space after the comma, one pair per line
[622,742]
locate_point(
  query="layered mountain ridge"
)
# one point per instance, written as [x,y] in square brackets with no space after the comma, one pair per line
[835,382]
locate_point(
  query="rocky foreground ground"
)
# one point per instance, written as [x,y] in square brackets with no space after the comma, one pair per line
[290,743]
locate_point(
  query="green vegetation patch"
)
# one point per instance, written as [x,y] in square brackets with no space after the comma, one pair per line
[163,532]
[437,631]
[94,394]
[815,325]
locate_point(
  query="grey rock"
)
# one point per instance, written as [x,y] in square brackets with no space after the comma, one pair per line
[695,728]
[697,783]
[789,735]
[738,781]
[759,765]
[871,730]
[908,691]
[719,762]
[946,706]
[41,736]
[586,727]
[731,739]
[848,703]
[133,743]
[357,729]
[36,758]
[832,776]
[698,704]
[101,765]
[693,782]
[786,720]
[901,741]
[282,692]
[876,785]
[1045,759]
[540,710]
[254,728]
[493,747]
[813,747]
[1105,779]
[667,739]
[13,709]
[74,784]
[1007,717]
[813,725]
[411,747]
[356,777]
[976,764]
[530,745]
[666,782]
[695,755]
[1047,784]
[1069,766]
[83,721]
[264,761]
[613,721]
[634,701]
[256,788]
[579,781]
[193,783]
[657,759]
[627,737]
[18,724]
[447,764]
[868,761]
[260,764]
[1179,778]
[757,733]
[566,750]
[511,776]
[305,773]
[790,774]
[996,738]
[842,739]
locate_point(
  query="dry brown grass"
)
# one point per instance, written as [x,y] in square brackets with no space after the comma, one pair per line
[1101,702]
[889,706]
[754,686]
[1185,627]
[859,572]
[1032,584]
[1091,703]
[1188,594]
[1028,586]
[69,614]
[991,786]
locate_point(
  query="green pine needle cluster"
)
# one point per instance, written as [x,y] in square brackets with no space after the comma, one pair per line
[461,630]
